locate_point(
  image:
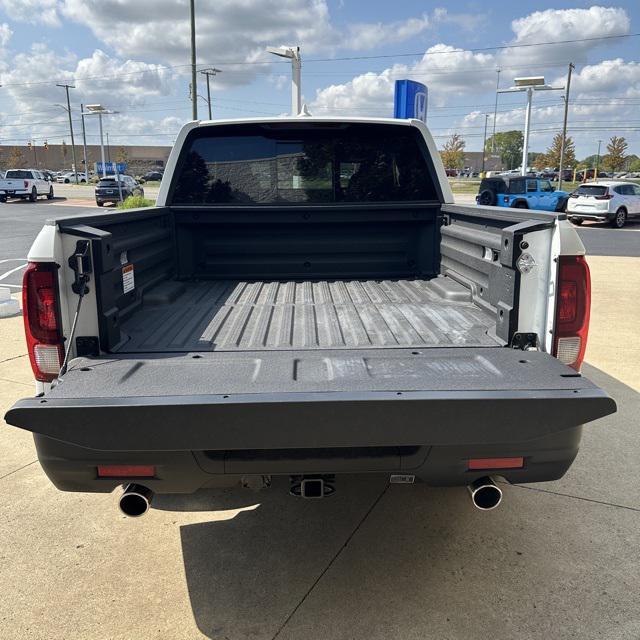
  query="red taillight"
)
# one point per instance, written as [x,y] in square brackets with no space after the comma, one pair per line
[476,464]
[605,196]
[573,305]
[506,198]
[26,184]
[126,471]
[42,319]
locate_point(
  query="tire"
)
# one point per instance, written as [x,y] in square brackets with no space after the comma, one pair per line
[620,219]
[487,198]
[520,204]
[34,195]
[50,194]
[100,204]
[576,221]
[67,181]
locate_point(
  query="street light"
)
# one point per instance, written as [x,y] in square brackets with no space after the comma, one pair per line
[208,73]
[293,54]
[99,110]
[66,87]
[528,84]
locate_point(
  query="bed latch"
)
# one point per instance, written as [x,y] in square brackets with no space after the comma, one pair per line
[525,341]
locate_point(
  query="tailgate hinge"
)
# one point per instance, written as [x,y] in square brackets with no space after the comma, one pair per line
[525,341]
[80,262]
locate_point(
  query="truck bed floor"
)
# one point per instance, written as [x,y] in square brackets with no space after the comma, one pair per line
[241,316]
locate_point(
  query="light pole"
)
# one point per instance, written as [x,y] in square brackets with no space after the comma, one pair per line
[66,87]
[529,84]
[484,141]
[495,114]
[595,172]
[194,79]
[99,110]
[84,146]
[293,54]
[564,125]
[209,73]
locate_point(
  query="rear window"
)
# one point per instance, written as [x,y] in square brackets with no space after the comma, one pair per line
[107,182]
[590,190]
[288,164]
[20,175]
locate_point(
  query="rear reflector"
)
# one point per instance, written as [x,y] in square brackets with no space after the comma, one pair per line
[126,471]
[573,306]
[495,463]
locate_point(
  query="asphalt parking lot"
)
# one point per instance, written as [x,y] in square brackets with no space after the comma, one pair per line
[557,560]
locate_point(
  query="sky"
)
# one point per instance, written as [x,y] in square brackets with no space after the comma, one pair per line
[133,57]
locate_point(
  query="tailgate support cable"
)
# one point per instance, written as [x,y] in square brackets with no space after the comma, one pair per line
[80,262]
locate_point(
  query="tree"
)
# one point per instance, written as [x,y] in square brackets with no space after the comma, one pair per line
[634,165]
[538,160]
[614,160]
[122,155]
[453,152]
[552,157]
[509,145]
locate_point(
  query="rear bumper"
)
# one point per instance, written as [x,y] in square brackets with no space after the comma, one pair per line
[73,468]
[600,216]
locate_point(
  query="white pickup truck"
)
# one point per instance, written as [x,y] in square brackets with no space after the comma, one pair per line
[306,300]
[25,184]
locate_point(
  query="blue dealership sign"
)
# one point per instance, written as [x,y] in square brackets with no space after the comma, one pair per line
[410,100]
[110,167]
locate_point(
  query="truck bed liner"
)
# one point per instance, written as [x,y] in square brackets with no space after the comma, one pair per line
[326,314]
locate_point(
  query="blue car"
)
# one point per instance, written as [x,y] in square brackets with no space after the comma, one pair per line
[521,192]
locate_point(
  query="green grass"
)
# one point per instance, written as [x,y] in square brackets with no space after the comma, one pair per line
[135,202]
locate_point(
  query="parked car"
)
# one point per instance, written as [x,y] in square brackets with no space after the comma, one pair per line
[602,201]
[107,189]
[70,176]
[520,192]
[306,324]
[589,174]
[25,184]
[152,176]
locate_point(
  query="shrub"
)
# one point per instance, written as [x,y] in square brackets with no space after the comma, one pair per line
[134,202]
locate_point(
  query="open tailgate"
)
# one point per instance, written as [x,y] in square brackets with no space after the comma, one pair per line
[298,399]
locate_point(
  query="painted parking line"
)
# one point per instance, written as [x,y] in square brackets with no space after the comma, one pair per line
[12,260]
[6,274]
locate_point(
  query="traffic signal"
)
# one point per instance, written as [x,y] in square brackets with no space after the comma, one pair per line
[46,145]
[29,144]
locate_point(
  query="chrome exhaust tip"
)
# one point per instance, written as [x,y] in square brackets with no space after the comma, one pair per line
[485,494]
[135,500]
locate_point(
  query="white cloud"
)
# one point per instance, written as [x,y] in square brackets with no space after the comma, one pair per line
[5,34]
[609,78]
[33,11]
[444,69]
[370,35]
[564,24]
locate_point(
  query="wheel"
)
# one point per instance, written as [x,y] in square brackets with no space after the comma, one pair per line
[577,221]
[621,218]
[50,194]
[82,180]
[487,198]
[67,181]
[520,205]
[100,204]
[34,195]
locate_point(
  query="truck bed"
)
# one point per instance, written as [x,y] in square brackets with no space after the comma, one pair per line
[233,315]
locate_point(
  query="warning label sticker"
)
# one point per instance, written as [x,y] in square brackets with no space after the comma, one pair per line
[128,283]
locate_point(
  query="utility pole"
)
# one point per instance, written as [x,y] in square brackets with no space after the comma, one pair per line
[484,141]
[564,125]
[595,173]
[73,146]
[35,155]
[84,145]
[495,114]
[194,79]
[209,73]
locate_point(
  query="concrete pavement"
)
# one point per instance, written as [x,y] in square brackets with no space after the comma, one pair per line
[558,560]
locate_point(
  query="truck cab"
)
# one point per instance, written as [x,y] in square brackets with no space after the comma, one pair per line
[521,192]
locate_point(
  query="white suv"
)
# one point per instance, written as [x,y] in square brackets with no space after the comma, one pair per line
[604,200]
